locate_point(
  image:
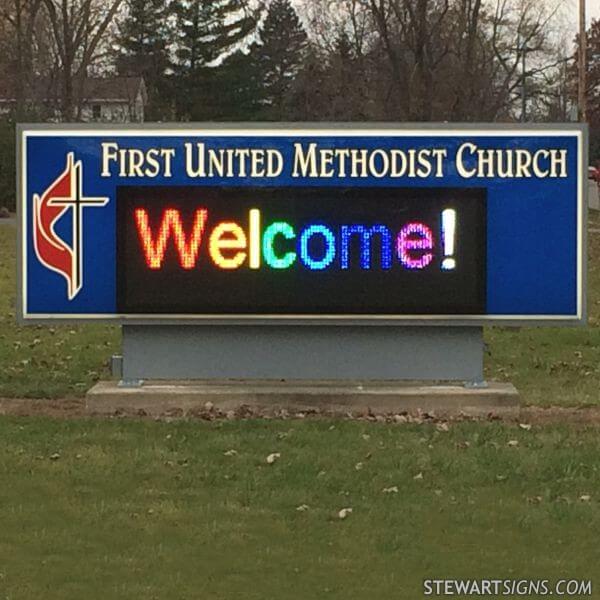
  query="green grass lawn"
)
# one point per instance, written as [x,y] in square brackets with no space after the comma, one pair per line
[549,366]
[141,509]
[46,362]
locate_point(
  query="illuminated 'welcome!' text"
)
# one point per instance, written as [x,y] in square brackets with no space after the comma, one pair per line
[281,245]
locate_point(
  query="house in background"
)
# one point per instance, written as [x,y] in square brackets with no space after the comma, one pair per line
[114,100]
[103,99]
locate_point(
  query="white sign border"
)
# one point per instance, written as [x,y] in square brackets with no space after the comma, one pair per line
[25,131]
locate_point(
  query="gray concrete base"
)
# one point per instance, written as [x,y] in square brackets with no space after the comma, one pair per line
[332,397]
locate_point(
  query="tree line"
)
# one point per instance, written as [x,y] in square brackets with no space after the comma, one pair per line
[295,60]
[406,60]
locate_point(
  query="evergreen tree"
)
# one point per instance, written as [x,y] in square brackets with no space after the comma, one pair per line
[308,98]
[141,48]
[208,30]
[347,82]
[241,88]
[280,55]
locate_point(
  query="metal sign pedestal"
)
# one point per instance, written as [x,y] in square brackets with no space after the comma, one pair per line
[252,371]
[302,353]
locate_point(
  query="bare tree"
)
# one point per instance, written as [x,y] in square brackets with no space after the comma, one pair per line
[327,20]
[462,59]
[19,19]
[77,28]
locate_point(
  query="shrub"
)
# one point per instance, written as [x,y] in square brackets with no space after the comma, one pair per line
[7,165]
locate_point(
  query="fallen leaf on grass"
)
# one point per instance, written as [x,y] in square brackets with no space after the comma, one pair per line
[535,500]
[273,457]
[390,490]
[343,514]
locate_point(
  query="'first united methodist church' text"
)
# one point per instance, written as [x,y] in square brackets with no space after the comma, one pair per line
[310,160]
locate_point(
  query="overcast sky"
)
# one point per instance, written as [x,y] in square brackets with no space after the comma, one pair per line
[592,12]
[593,9]
[570,16]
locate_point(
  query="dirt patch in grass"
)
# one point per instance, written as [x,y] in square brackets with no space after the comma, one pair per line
[558,414]
[26,407]
[74,408]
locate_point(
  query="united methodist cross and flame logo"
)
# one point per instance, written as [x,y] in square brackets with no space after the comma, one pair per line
[64,195]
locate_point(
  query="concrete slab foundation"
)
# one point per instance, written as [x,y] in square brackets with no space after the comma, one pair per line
[332,397]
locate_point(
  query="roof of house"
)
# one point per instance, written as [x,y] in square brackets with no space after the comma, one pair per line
[113,88]
[99,89]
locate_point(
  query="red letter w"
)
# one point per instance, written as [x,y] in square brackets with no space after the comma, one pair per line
[155,248]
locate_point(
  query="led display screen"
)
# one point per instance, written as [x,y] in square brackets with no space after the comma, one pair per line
[193,250]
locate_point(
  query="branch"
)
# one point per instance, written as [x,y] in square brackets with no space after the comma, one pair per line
[89,51]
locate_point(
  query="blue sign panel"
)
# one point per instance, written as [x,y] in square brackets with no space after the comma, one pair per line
[380,224]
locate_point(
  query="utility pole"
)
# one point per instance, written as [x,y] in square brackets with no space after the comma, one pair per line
[523,48]
[524,85]
[582,63]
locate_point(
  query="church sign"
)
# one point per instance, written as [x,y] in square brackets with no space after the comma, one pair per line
[365,224]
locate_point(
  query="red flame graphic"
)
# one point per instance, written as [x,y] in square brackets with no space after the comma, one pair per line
[52,251]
